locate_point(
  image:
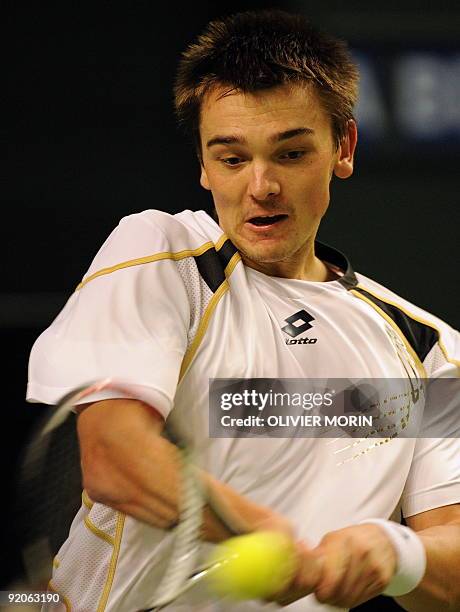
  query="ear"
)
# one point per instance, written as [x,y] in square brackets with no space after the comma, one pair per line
[204,182]
[343,167]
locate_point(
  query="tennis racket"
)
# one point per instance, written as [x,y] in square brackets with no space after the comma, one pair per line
[50,483]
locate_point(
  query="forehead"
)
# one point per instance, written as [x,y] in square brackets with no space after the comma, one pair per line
[284,106]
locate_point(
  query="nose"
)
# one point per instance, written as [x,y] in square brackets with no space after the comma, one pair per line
[263,182]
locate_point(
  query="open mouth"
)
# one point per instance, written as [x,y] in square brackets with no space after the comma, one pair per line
[267,220]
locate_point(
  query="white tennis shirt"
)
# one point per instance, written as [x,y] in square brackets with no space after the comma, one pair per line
[166,305]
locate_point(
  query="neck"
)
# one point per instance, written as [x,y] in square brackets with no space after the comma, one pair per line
[305,266]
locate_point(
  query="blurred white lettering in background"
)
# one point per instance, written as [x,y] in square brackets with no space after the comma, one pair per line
[412,96]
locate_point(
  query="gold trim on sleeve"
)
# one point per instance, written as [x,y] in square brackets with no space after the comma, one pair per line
[149,259]
[113,563]
[86,501]
[220,243]
[98,532]
[191,351]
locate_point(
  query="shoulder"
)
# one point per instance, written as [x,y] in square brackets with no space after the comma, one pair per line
[150,231]
[434,340]
[189,247]
[185,229]
[153,235]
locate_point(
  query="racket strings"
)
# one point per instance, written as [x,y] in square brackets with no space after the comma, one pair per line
[187,541]
[55,447]
[49,490]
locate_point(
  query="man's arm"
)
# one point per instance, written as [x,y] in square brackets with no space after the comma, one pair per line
[439,530]
[130,467]
[358,562]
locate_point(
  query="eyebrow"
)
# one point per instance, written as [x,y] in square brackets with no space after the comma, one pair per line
[279,137]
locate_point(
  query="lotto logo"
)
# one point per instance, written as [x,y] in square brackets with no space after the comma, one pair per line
[297,323]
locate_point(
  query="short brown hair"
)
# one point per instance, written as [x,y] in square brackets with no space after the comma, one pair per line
[257,50]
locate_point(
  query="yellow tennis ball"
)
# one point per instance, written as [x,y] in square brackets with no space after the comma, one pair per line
[253,566]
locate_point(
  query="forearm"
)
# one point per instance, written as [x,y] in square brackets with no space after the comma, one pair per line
[237,511]
[128,466]
[440,587]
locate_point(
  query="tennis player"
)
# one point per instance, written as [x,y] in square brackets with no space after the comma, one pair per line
[171,301]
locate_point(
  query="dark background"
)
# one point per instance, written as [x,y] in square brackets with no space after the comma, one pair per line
[91,137]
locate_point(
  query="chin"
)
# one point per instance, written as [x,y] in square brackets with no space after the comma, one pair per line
[265,255]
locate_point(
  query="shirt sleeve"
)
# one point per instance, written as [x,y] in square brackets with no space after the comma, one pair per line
[128,320]
[434,476]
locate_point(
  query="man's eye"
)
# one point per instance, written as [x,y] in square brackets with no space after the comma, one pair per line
[231,161]
[293,155]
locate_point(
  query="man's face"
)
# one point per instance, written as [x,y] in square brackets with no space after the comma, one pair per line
[268,159]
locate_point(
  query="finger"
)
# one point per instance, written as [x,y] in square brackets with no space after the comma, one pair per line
[360,595]
[309,571]
[350,583]
[310,568]
[336,562]
[369,583]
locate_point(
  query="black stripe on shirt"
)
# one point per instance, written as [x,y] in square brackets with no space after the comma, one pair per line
[420,336]
[211,264]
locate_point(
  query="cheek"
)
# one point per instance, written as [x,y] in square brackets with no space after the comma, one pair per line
[223,204]
[313,197]
[226,196]
[226,211]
